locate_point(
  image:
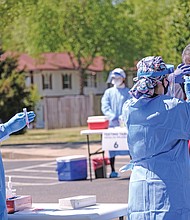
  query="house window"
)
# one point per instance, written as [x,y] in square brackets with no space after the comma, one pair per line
[46,81]
[66,81]
[90,80]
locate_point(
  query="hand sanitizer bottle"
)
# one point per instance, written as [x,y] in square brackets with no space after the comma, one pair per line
[10,192]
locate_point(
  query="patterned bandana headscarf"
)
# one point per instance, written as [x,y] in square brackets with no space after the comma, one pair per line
[148,77]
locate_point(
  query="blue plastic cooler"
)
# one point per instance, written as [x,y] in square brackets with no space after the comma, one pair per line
[72,167]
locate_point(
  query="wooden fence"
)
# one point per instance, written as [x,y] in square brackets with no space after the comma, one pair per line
[70,111]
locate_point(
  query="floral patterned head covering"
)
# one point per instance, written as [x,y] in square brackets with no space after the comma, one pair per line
[150,72]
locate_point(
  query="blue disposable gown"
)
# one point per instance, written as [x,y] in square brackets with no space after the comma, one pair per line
[3,209]
[158,131]
[111,106]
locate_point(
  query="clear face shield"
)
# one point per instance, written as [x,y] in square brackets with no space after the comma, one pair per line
[172,85]
[170,78]
[109,77]
[115,76]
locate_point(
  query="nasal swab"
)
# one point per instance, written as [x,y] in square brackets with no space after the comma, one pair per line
[26,115]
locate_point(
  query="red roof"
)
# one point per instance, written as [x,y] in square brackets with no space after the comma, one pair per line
[54,61]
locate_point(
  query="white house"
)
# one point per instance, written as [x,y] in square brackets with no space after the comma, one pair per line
[55,76]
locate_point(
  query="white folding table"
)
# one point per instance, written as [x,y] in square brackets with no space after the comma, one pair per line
[50,211]
[100,150]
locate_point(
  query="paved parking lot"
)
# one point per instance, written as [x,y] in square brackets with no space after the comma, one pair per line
[39,179]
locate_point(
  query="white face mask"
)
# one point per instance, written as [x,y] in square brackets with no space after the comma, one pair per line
[117,81]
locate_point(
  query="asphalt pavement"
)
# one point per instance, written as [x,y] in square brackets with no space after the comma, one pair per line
[33,168]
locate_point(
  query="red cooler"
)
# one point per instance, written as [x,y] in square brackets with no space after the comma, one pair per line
[98,122]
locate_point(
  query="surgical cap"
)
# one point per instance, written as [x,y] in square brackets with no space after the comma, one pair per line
[153,66]
[150,71]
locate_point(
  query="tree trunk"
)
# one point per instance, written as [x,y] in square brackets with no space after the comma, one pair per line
[82,79]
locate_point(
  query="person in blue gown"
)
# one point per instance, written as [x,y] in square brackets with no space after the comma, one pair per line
[158,133]
[15,124]
[111,106]
[178,87]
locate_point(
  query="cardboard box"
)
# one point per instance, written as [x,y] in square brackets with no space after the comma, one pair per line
[77,202]
[98,122]
[72,167]
[18,203]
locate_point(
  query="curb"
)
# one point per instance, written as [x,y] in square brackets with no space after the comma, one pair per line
[45,150]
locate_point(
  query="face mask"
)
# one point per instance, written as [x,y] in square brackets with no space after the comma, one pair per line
[117,81]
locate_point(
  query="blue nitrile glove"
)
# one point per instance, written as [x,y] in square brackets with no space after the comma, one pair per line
[182,69]
[187,87]
[18,122]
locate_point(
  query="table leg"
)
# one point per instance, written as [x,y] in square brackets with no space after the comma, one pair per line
[89,157]
[104,166]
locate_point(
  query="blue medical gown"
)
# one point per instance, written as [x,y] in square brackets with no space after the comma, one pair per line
[158,131]
[3,209]
[111,105]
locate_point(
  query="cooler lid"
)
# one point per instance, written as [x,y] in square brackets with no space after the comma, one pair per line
[97,118]
[70,158]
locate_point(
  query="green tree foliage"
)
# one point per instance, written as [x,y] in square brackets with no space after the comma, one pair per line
[179,32]
[95,28]
[14,95]
[152,21]
[121,31]
[85,29]
[162,27]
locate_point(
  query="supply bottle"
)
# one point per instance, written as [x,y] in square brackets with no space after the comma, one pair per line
[10,192]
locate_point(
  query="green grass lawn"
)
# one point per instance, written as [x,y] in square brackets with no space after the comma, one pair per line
[50,136]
